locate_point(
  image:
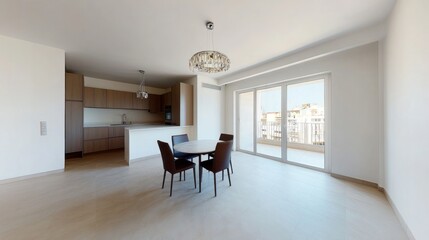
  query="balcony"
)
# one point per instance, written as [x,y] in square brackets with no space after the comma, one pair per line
[305,141]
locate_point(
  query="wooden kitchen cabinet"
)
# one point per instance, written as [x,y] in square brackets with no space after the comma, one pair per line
[116,143]
[127,100]
[95,97]
[116,132]
[116,138]
[97,145]
[74,87]
[112,99]
[119,99]
[165,100]
[73,114]
[140,104]
[91,133]
[103,138]
[154,103]
[182,105]
[73,126]
[95,139]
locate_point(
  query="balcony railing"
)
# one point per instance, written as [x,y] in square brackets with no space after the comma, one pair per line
[300,135]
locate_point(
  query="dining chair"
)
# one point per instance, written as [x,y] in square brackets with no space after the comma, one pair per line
[219,162]
[176,139]
[173,166]
[225,137]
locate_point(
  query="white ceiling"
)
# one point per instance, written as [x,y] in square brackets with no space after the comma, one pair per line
[113,39]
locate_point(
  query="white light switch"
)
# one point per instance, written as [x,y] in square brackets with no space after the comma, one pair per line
[43,128]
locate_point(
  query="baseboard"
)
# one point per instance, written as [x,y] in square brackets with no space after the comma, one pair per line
[143,158]
[364,182]
[381,189]
[400,218]
[31,176]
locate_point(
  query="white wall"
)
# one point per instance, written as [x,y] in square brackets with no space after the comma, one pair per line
[329,46]
[31,90]
[109,116]
[406,58]
[210,109]
[355,108]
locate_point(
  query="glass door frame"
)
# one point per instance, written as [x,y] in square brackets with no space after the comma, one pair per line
[284,84]
[237,120]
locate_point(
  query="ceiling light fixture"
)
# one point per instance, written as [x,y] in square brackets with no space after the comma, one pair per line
[141,93]
[209,61]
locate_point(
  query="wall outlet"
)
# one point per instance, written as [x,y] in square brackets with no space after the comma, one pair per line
[43,128]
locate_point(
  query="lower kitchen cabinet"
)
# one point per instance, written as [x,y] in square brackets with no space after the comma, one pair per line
[116,143]
[98,139]
[97,145]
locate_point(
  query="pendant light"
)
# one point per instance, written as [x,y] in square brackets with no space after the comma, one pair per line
[141,93]
[209,61]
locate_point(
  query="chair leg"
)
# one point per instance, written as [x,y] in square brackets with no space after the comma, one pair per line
[171,185]
[184,175]
[200,175]
[195,180]
[230,163]
[214,175]
[229,178]
[180,176]
[163,179]
[222,175]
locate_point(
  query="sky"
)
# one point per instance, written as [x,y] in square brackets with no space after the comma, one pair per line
[297,94]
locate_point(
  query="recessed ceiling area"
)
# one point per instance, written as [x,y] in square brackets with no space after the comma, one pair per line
[113,39]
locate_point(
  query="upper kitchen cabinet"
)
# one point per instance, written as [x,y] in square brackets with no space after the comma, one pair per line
[74,86]
[154,103]
[119,99]
[140,103]
[95,97]
[182,104]
[165,100]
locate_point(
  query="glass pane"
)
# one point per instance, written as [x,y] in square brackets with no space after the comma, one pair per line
[269,122]
[245,122]
[306,123]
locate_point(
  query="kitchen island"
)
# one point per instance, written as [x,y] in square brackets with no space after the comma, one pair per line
[141,140]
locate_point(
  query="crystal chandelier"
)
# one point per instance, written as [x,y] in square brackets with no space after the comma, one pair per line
[209,61]
[141,93]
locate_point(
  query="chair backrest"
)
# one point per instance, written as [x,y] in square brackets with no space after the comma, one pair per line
[222,156]
[167,156]
[226,137]
[176,139]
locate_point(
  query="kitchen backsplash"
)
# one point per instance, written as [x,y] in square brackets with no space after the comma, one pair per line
[112,116]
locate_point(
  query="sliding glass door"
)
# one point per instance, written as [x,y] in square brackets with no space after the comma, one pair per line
[245,121]
[285,122]
[269,121]
[306,123]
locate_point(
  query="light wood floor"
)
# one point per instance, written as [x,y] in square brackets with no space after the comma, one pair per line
[99,197]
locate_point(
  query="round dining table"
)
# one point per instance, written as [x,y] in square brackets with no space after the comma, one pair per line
[198,147]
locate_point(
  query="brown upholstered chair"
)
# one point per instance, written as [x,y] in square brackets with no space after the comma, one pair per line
[176,139]
[173,166]
[225,137]
[220,161]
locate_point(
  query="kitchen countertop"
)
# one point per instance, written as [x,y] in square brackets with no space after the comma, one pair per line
[88,125]
[149,127]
